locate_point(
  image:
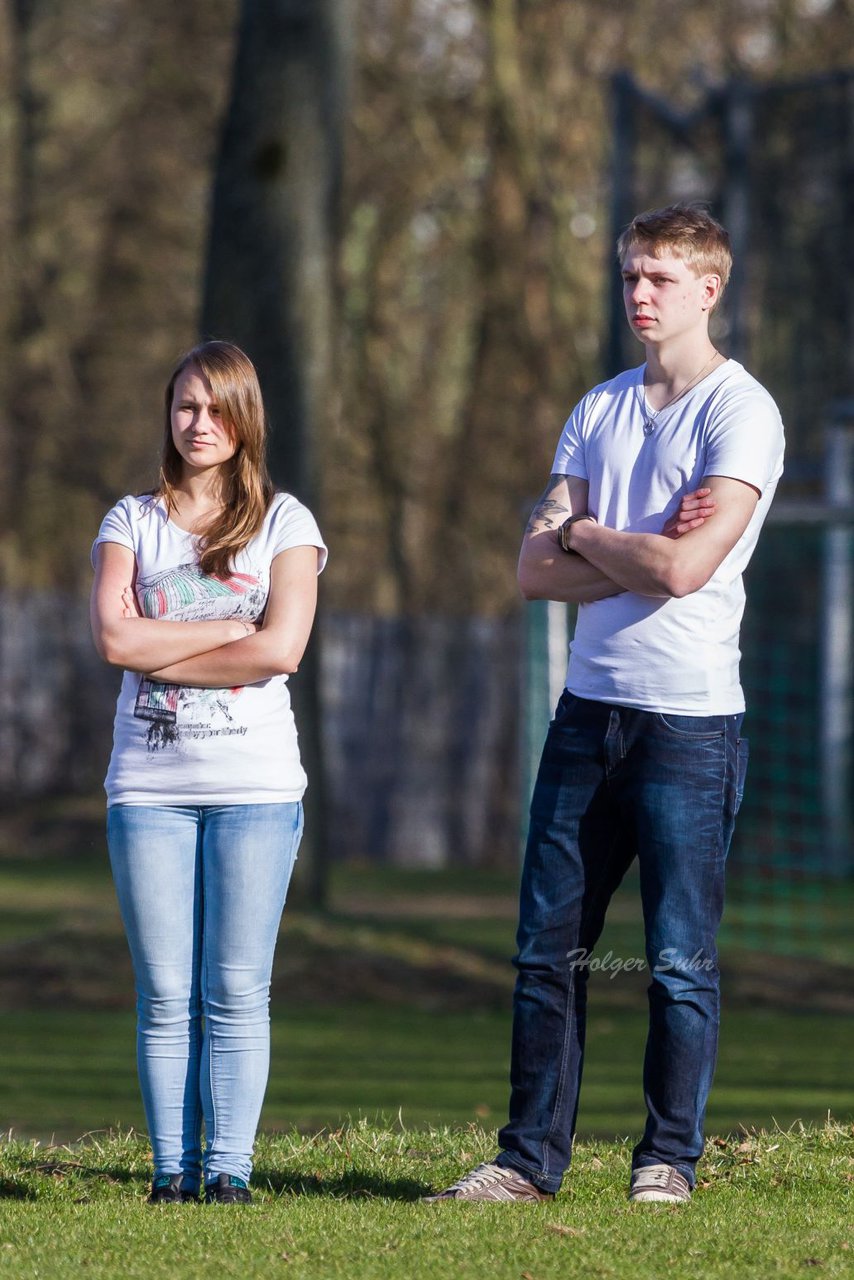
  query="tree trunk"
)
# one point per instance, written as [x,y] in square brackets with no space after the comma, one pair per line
[269,281]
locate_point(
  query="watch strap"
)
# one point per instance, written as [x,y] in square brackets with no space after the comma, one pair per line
[563,532]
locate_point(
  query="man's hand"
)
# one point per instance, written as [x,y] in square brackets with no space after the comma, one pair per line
[694,510]
[654,565]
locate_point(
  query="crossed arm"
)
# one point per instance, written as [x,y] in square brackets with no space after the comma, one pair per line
[216,654]
[675,562]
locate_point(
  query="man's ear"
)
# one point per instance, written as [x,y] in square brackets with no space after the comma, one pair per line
[711,290]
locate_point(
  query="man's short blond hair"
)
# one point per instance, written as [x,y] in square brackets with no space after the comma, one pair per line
[687,231]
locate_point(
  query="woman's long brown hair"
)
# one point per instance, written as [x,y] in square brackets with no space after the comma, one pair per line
[248,489]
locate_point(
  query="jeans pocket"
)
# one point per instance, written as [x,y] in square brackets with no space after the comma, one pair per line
[742,755]
[566,701]
[692,726]
[300,827]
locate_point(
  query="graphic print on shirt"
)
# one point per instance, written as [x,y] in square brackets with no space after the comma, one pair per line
[185,594]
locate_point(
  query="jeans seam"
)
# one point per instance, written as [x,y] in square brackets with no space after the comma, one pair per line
[204,996]
[564,1063]
[715,1012]
[570,996]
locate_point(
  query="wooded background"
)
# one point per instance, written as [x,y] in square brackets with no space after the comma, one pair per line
[438,175]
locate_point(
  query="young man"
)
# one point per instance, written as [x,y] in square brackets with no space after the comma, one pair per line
[660,485]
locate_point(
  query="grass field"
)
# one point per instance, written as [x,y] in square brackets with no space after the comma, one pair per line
[390,1060]
[397,998]
[342,1204]
[65,1073]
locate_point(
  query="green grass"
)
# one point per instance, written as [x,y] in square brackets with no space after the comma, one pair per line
[342,1204]
[65,1073]
[398,997]
[390,1047]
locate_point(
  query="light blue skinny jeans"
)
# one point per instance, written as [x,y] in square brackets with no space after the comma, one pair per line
[201,890]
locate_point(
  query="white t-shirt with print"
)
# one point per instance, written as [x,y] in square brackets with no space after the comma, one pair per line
[668,655]
[173,744]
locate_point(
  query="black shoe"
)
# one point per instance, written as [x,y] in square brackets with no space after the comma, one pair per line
[226,1189]
[167,1189]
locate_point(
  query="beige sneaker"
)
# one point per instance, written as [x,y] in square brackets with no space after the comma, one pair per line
[659,1182]
[491,1182]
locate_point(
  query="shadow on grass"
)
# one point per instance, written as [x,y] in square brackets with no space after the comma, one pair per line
[355,1184]
[11,1189]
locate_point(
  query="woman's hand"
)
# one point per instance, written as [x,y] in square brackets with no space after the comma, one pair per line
[280,641]
[130,604]
[124,638]
[240,627]
[243,628]
[694,510]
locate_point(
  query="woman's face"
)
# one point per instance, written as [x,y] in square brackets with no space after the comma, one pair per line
[201,436]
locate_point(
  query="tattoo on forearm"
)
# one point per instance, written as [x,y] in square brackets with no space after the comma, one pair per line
[548,512]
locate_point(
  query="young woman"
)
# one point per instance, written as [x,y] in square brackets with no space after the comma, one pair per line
[205,593]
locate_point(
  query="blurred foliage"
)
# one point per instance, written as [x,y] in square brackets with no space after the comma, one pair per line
[109,117]
[474,252]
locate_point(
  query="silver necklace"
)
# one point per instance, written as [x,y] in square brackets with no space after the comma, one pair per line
[651,416]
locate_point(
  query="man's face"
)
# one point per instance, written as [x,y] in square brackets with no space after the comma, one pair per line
[663,297]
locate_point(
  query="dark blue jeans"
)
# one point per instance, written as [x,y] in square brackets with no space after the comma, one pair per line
[615,783]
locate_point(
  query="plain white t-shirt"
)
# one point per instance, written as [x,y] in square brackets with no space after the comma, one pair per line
[668,655]
[177,745]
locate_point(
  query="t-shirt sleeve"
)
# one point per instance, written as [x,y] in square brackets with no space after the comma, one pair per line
[569,455]
[117,527]
[745,440]
[295,526]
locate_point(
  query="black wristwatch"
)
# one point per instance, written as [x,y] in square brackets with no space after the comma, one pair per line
[563,532]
